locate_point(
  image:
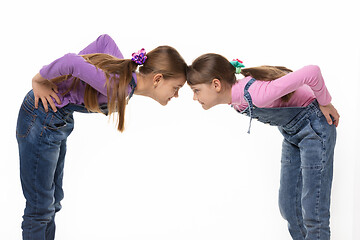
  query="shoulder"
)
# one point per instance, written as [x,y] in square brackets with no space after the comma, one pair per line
[237,90]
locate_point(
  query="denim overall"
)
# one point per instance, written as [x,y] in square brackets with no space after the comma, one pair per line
[42,139]
[306,165]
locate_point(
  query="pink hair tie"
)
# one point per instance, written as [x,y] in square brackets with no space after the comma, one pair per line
[139,57]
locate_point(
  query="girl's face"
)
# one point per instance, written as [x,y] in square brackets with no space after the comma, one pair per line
[166,89]
[206,94]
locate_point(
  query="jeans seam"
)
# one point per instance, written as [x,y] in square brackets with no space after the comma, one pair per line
[36,179]
[34,116]
[317,208]
[298,218]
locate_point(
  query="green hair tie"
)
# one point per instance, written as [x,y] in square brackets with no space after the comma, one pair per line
[237,65]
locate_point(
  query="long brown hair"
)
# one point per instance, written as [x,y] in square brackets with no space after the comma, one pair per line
[163,59]
[210,66]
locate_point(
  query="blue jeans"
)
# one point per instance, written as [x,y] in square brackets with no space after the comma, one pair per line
[41,138]
[306,174]
[306,165]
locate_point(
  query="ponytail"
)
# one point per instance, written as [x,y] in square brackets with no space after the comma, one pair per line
[118,74]
[268,73]
[164,59]
[210,66]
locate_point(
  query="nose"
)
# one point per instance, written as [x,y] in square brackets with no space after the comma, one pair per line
[195,97]
[176,94]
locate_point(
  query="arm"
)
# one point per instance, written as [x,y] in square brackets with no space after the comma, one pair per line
[44,89]
[266,92]
[75,65]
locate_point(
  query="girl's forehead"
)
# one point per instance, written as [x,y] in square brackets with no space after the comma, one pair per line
[199,85]
[180,81]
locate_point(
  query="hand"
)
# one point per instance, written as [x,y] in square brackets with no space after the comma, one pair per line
[330,111]
[44,89]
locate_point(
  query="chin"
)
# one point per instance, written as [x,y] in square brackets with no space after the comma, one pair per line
[205,107]
[164,103]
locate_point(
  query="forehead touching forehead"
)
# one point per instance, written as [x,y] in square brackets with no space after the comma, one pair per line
[176,81]
[179,79]
[195,77]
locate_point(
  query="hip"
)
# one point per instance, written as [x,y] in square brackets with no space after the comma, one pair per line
[37,122]
[309,123]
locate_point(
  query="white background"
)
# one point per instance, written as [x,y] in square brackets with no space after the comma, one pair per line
[179,172]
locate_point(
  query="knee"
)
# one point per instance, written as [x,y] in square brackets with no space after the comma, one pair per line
[57,207]
[288,209]
[40,212]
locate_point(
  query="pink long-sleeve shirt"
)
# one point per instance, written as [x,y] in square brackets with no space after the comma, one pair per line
[75,65]
[307,81]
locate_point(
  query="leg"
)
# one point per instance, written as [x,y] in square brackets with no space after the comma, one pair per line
[37,168]
[59,193]
[40,151]
[290,190]
[317,152]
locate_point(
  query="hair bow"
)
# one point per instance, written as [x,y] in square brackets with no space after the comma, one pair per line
[139,57]
[238,64]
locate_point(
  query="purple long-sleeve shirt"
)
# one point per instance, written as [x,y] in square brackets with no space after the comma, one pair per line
[75,65]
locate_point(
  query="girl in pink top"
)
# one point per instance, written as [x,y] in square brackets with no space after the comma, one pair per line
[300,105]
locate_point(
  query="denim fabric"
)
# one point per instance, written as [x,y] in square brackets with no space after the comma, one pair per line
[42,138]
[306,166]
[277,116]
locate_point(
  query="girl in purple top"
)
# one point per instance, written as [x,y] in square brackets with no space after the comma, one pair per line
[97,79]
[300,105]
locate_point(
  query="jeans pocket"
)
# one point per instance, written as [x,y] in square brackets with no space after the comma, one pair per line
[55,122]
[312,147]
[26,121]
[315,126]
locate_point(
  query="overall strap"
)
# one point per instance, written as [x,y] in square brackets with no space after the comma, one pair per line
[132,85]
[249,100]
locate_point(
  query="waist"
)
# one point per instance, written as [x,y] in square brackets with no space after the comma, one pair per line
[69,108]
[283,116]
[312,108]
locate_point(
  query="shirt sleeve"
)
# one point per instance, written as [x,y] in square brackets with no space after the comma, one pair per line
[103,44]
[265,92]
[75,65]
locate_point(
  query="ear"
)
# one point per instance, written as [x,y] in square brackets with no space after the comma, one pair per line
[157,79]
[216,84]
